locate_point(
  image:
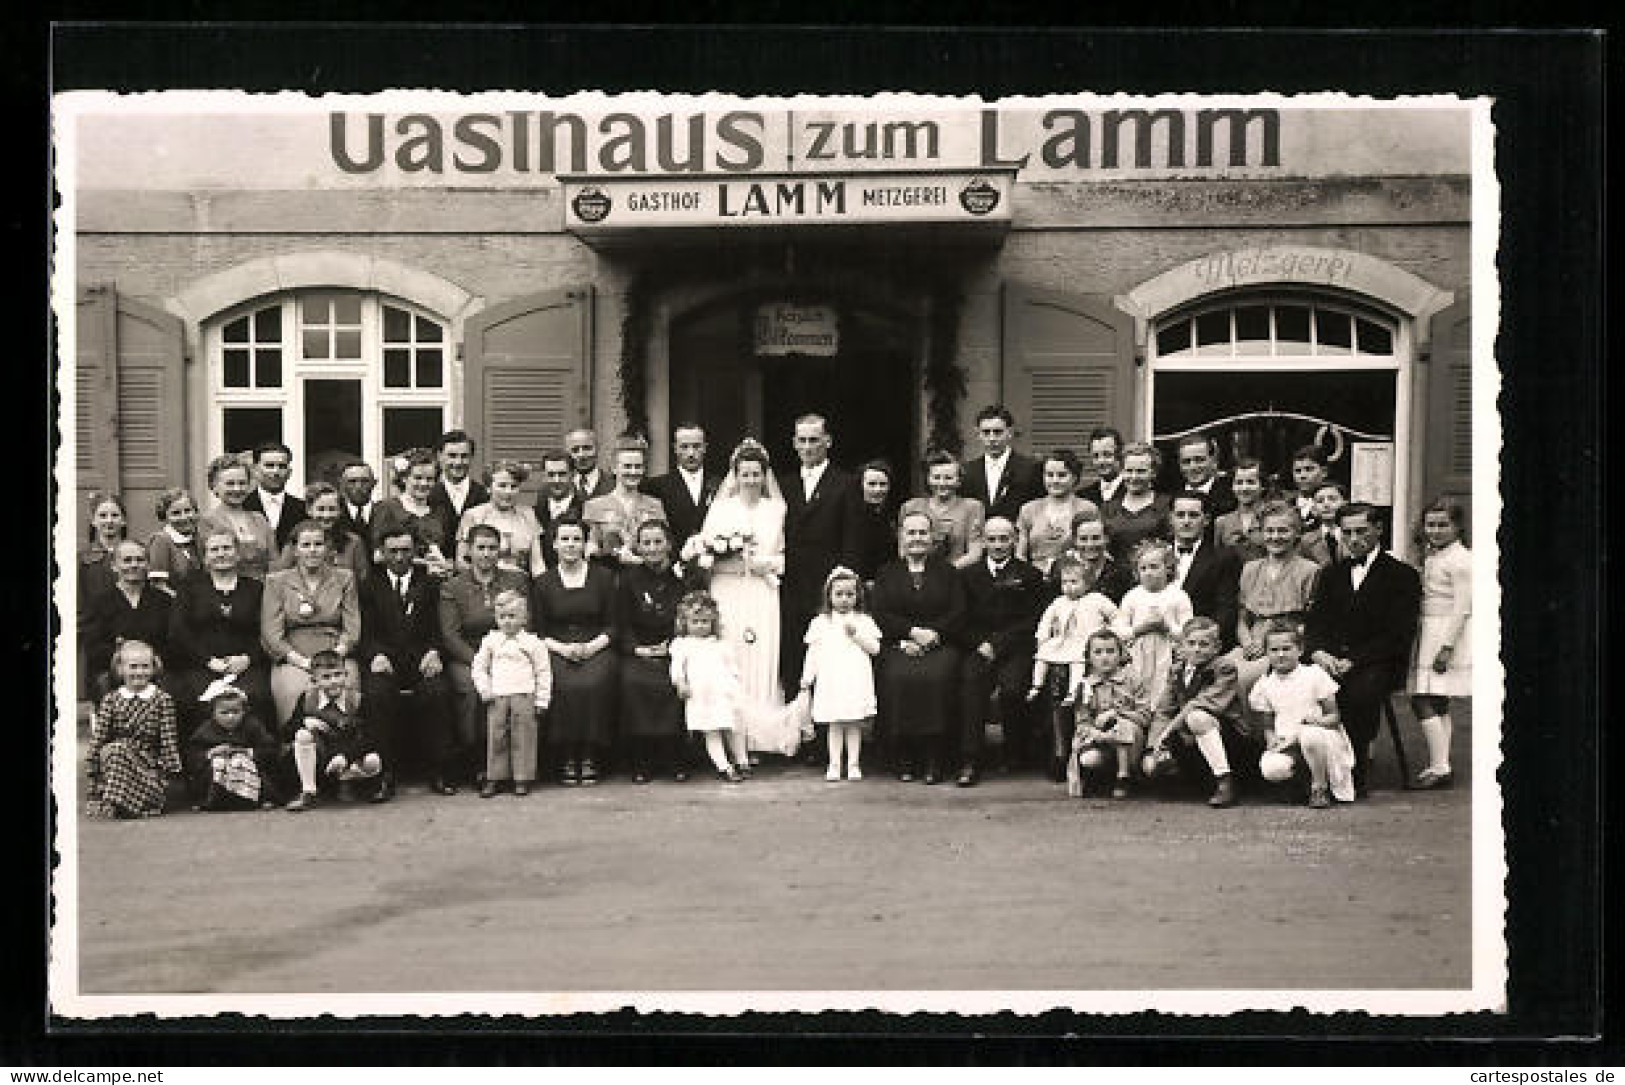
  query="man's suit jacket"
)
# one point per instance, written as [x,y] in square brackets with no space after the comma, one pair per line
[1220,497]
[1022,481]
[684,516]
[818,535]
[545,519]
[1372,627]
[605,483]
[362,529]
[1092,492]
[1212,582]
[1003,611]
[450,515]
[1314,545]
[403,634]
[293,511]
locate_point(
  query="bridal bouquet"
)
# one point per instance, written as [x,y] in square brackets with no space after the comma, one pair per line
[704,550]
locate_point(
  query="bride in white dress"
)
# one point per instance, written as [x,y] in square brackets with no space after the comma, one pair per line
[743,539]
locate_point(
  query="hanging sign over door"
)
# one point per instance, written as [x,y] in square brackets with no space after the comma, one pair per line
[785,328]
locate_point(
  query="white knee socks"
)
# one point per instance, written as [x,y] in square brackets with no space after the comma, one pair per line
[1211,743]
[1436,729]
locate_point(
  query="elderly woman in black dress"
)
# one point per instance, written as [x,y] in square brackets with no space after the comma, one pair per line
[214,633]
[645,610]
[573,608]
[133,609]
[919,604]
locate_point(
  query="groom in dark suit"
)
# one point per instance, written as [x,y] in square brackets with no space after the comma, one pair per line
[687,490]
[1002,479]
[1361,623]
[820,532]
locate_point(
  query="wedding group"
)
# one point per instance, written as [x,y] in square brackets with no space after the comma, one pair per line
[288,650]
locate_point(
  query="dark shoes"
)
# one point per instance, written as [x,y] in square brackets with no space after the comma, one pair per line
[443,786]
[967,776]
[589,772]
[305,801]
[1224,794]
[488,789]
[386,790]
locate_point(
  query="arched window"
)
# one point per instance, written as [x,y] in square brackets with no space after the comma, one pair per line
[1265,373]
[331,373]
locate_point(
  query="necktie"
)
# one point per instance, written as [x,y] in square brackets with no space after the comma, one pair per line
[401,584]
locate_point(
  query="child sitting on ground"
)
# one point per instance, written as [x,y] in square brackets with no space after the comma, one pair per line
[331,734]
[1199,705]
[1112,716]
[133,752]
[231,756]
[1297,706]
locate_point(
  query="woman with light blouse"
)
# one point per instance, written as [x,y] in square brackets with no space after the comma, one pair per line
[956,521]
[256,542]
[516,525]
[613,519]
[1044,525]
[305,609]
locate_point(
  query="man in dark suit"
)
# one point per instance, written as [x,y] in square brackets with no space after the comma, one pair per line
[687,490]
[399,650]
[557,499]
[456,492]
[1003,599]
[1361,623]
[1106,459]
[356,483]
[1208,572]
[273,464]
[1002,479]
[1199,464]
[820,532]
[590,481]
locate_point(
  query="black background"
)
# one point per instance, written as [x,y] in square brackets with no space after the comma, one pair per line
[1550,91]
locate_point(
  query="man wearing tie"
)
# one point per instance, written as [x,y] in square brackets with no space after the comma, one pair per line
[1209,573]
[356,483]
[686,491]
[1361,623]
[273,464]
[590,482]
[1199,464]
[820,532]
[1002,479]
[1106,459]
[557,499]
[400,650]
[456,492]
[1003,598]
[1323,544]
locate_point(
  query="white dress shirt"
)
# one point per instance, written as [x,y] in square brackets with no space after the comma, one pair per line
[810,477]
[1359,569]
[1184,555]
[458,492]
[272,505]
[695,481]
[994,469]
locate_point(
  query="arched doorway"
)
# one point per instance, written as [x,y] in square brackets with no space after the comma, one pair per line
[859,370]
[1266,373]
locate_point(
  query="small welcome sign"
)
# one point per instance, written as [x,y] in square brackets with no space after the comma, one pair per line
[784,328]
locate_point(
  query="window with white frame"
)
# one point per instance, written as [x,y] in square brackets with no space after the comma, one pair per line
[331,373]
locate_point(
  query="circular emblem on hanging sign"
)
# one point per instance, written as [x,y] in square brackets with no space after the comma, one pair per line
[591,205]
[979,197]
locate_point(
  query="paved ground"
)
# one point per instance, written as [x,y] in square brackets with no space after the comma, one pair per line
[786,882]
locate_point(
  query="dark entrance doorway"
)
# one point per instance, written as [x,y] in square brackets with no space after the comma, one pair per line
[867,390]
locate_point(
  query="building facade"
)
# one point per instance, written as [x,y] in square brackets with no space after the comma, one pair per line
[356,278]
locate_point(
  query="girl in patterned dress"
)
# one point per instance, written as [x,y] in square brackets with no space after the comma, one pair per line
[133,749]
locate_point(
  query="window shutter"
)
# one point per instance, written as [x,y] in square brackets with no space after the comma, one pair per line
[527,373]
[1450,405]
[95,377]
[1068,366]
[151,346]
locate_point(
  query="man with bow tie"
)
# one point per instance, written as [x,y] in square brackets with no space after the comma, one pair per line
[399,650]
[1002,479]
[1208,572]
[1003,598]
[1360,626]
[687,490]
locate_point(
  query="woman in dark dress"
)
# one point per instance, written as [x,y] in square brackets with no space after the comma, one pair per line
[645,609]
[133,609]
[573,608]
[877,526]
[214,632]
[1137,512]
[108,527]
[919,604]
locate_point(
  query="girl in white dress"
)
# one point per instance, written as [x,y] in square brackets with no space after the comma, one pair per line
[1297,706]
[841,642]
[742,543]
[1064,630]
[1151,616]
[702,671]
[1443,664]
